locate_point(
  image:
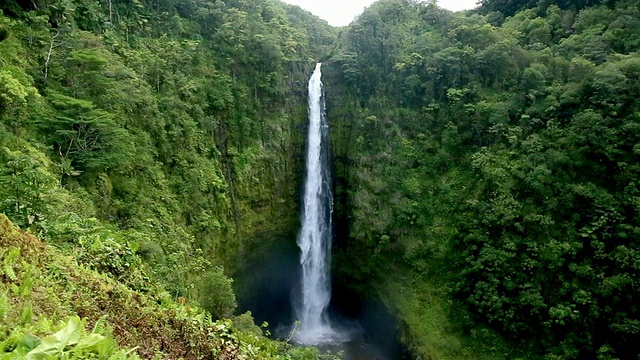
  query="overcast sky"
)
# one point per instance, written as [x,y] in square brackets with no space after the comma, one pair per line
[341,12]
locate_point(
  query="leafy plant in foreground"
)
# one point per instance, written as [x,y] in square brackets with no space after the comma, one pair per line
[70,342]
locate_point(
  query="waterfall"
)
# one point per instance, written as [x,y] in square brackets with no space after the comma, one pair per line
[315,235]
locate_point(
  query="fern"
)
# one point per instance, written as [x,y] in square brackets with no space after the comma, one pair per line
[100,327]
[27,281]
[10,258]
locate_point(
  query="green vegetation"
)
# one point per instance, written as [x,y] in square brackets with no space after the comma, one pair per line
[488,168]
[486,173]
[43,291]
[149,141]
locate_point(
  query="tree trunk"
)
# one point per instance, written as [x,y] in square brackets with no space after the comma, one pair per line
[52,46]
[110,13]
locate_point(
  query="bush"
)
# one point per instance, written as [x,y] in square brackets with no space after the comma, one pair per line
[217,295]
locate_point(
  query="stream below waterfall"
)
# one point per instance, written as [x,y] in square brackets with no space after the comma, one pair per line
[267,285]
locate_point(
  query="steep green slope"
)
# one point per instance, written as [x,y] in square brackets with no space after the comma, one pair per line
[152,141]
[176,124]
[40,286]
[487,176]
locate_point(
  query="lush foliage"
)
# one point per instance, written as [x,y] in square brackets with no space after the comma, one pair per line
[494,163]
[162,130]
[171,120]
[70,342]
[511,7]
[151,140]
[43,293]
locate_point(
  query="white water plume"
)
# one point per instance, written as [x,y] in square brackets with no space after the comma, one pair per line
[315,235]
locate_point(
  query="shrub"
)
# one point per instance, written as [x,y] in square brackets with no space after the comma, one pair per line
[217,295]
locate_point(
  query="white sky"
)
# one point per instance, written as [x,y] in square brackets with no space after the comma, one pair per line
[342,12]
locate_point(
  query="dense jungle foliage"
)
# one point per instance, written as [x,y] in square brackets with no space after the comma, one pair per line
[43,293]
[152,141]
[488,163]
[486,168]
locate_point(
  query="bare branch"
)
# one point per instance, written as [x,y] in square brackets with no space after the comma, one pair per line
[52,46]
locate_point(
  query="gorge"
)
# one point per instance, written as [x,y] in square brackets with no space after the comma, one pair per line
[483,167]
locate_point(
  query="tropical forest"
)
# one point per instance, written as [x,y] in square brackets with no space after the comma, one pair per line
[480,180]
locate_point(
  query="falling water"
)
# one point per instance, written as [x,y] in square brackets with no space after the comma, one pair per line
[314,239]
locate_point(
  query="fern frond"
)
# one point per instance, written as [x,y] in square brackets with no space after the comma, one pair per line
[101,325]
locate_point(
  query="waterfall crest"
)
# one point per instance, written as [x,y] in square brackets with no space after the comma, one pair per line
[315,235]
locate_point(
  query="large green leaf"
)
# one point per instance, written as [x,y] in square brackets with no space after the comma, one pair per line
[91,342]
[55,344]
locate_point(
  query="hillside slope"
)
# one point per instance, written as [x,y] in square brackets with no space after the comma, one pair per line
[41,287]
[487,172]
[172,128]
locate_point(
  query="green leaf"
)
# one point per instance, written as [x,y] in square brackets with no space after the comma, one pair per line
[90,342]
[54,344]
[30,342]
[106,347]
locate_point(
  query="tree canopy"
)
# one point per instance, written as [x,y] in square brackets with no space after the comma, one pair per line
[493,164]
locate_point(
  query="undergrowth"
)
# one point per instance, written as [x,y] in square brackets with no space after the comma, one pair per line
[48,300]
